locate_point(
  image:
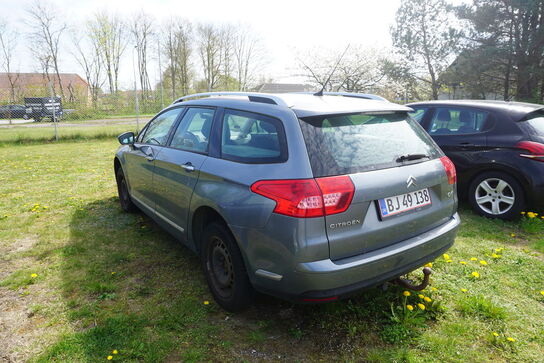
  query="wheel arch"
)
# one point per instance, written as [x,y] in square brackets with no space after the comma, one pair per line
[201,217]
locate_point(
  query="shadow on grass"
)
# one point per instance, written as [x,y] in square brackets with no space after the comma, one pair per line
[130,287]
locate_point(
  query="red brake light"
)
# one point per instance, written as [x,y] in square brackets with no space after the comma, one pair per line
[450,169]
[305,198]
[535,149]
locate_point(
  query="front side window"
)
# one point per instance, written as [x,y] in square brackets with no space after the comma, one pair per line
[452,121]
[193,132]
[252,138]
[158,129]
[352,143]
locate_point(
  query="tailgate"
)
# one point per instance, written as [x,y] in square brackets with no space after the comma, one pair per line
[362,229]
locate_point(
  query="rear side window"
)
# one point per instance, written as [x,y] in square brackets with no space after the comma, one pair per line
[252,138]
[448,121]
[351,143]
[534,123]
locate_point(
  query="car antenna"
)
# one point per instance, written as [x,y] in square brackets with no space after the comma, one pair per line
[320,93]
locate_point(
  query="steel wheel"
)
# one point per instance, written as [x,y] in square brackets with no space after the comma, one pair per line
[221,268]
[495,196]
[224,268]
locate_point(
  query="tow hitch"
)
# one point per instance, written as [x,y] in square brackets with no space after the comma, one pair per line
[409,285]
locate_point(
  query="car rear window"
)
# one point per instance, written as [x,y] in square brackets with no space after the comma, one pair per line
[534,123]
[351,143]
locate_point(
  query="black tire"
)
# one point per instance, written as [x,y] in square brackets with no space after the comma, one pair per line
[495,194]
[122,189]
[224,269]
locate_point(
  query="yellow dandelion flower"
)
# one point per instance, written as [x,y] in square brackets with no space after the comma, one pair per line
[475,274]
[115,351]
[496,334]
[206,302]
[464,290]
[473,259]
[531,214]
[483,263]
[421,296]
[33,275]
[421,306]
[522,212]
[113,272]
[499,250]
[427,299]
[430,264]
[434,289]
[462,262]
[406,293]
[510,339]
[512,235]
[446,256]
[494,255]
[109,357]
[542,292]
[409,307]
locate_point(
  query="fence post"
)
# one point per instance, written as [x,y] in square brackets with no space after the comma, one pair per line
[52,95]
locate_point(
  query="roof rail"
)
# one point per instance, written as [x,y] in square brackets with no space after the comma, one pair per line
[252,97]
[367,96]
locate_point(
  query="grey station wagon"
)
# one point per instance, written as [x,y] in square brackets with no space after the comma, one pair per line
[306,197]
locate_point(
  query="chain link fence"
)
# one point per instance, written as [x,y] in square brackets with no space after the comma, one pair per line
[32,108]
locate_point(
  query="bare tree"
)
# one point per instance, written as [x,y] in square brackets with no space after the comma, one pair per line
[107,32]
[87,55]
[248,56]
[178,49]
[357,70]
[47,31]
[142,32]
[209,51]
[226,44]
[8,41]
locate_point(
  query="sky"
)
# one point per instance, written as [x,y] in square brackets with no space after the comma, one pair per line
[287,28]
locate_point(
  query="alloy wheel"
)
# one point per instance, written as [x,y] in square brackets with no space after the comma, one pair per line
[495,196]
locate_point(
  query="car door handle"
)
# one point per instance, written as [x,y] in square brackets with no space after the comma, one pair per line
[148,154]
[466,144]
[188,167]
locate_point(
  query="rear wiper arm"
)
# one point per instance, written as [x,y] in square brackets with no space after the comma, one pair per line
[409,157]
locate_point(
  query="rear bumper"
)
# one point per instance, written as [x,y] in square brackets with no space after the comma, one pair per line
[328,279]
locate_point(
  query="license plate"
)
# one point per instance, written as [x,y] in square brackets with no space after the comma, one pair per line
[404,202]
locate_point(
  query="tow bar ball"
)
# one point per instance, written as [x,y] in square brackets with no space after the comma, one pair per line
[409,285]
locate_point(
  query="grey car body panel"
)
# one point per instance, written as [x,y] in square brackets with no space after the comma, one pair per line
[294,256]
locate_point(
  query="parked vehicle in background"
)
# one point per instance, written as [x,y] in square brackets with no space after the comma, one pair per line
[305,197]
[43,107]
[497,148]
[13,111]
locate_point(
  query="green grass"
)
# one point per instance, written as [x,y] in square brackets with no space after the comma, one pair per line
[106,280]
[19,134]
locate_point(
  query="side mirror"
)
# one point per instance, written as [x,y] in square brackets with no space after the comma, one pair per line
[126,138]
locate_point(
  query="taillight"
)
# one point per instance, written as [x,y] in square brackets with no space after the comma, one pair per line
[305,198]
[535,149]
[450,169]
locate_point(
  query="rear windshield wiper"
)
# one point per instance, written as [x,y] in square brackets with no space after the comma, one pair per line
[409,157]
